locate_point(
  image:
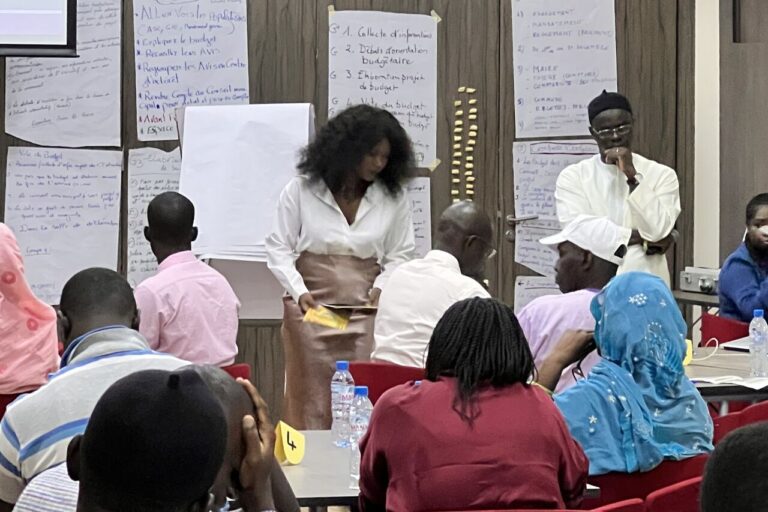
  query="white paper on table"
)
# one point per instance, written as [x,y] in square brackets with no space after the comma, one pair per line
[421,208]
[530,252]
[193,52]
[236,161]
[528,288]
[536,168]
[151,172]
[64,207]
[564,54]
[71,102]
[388,60]
[748,382]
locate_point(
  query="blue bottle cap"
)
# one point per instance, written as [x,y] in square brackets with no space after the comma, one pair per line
[758,313]
[342,365]
[361,390]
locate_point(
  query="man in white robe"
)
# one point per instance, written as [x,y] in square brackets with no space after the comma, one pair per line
[637,194]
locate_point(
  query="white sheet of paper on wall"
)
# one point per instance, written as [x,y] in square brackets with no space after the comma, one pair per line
[528,288]
[191,52]
[530,252]
[388,60]
[71,102]
[564,54]
[64,207]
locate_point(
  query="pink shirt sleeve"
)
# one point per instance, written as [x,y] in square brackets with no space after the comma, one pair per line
[149,315]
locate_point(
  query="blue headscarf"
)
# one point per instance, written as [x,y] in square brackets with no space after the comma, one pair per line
[636,407]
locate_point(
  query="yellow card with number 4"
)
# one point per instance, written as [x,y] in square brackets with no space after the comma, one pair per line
[289,444]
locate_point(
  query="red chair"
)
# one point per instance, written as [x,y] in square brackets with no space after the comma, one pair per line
[239,370]
[633,505]
[615,487]
[721,328]
[725,424]
[5,401]
[680,497]
[379,377]
[754,413]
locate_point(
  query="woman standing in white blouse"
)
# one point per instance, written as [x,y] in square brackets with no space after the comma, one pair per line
[342,226]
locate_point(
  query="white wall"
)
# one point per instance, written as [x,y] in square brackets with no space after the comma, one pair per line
[706,217]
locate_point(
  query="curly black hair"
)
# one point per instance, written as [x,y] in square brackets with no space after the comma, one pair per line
[343,142]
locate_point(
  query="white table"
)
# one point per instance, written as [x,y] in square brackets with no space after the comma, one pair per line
[322,478]
[724,362]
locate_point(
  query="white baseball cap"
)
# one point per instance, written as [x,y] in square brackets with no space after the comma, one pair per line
[597,235]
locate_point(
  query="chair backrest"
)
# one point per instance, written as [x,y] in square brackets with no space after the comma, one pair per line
[241,370]
[724,329]
[680,497]
[754,413]
[379,377]
[5,401]
[633,505]
[724,424]
[615,487]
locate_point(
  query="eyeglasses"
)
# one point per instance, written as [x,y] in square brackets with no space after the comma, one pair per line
[490,252]
[621,131]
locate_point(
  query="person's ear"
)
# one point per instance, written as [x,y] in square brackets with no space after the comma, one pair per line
[136,322]
[592,132]
[147,234]
[73,457]
[587,259]
[194,234]
[63,326]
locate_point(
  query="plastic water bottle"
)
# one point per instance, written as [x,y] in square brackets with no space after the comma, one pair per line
[758,334]
[342,392]
[359,417]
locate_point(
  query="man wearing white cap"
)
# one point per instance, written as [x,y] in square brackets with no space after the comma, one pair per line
[591,250]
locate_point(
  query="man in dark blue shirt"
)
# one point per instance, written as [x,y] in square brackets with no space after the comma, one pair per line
[744,277]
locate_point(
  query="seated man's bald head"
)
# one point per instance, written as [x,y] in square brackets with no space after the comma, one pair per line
[171,218]
[465,231]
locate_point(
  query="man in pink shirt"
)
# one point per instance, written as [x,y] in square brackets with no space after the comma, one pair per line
[187,309]
[591,250]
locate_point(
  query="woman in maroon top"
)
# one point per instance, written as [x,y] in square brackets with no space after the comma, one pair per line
[475,434]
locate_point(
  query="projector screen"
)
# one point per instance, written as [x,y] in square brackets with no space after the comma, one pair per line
[38,27]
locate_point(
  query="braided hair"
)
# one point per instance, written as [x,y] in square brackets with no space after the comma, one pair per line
[343,142]
[480,343]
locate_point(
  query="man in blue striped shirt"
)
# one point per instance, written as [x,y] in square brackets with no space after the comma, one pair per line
[98,323]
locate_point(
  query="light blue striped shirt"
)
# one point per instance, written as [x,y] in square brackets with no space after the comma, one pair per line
[37,427]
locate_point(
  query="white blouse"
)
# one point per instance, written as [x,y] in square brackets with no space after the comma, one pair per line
[309,219]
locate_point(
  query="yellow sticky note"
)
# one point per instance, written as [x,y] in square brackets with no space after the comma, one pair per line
[458,122]
[455,180]
[454,192]
[473,101]
[456,162]
[473,110]
[473,127]
[470,166]
[432,166]
[688,352]
[457,146]
[324,316]
[458,129]
[457,138]
[462,89]
[289,444]
[471,90]
[454,171]
[457,154]
[469,158]
[457,103]
[471,142]
[470,192]
[470,179]
[472,117]
[456,200]
[469,149]
[473,133]
[467,173]
[459,113]
[470,186]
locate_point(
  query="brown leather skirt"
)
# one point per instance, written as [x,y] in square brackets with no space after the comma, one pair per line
[311,350]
